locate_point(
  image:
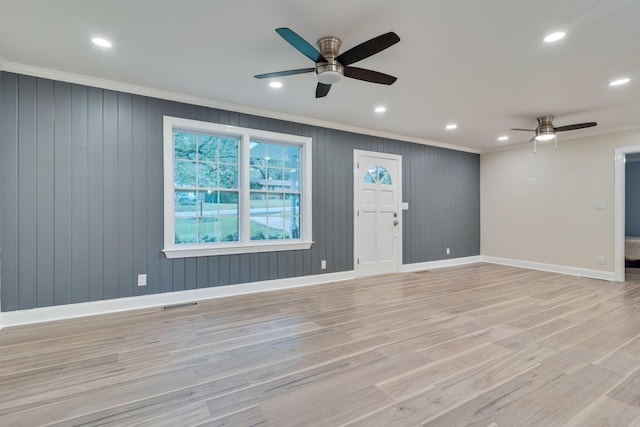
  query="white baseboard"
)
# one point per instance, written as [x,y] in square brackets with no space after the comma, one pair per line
[421,266]
[70,311]
[552,268]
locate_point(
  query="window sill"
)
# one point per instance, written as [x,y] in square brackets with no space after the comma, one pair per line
[189,251]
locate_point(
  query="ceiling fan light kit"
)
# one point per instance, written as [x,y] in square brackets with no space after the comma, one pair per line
[330,65]
[329,72]
[546,131]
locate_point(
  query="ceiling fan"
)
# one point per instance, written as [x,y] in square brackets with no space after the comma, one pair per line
[546,131]
[331,65]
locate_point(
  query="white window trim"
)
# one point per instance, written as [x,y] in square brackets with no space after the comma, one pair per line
[171,250]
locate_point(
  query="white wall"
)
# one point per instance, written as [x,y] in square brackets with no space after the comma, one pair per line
[555,220]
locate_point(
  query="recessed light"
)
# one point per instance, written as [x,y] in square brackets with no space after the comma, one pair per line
[620,82]
[380,109]
[554,37]
[451,126]
[101,42]
[275,85]
[503,138]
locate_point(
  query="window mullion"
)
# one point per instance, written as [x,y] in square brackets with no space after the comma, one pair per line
[244,195]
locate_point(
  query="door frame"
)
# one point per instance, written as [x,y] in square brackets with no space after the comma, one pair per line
[387,156]
[619,209]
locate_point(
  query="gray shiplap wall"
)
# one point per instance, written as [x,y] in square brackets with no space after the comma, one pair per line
[81,198]
[632,195]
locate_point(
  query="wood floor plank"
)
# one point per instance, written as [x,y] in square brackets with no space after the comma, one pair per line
[480,410]
[422,378]
[251,416]
[606,412]
[628,391]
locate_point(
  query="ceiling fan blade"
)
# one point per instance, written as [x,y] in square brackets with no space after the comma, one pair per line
[284,73]
[576,126]
[322,90]
[369,75]
[368,48]
[526,130]
[301,45]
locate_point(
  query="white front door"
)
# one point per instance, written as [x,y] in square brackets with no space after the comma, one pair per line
[378,228]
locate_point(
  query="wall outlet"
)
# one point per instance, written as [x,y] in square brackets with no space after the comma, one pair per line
[142,280]
[323,264]
[448,251]
[532,181]
[600,205]
[600,259]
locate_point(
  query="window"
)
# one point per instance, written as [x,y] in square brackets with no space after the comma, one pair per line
[377,175]
[234,190]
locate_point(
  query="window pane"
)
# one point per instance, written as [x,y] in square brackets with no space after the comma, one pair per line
[207,203]
[275,180]
[185,230]
[386,180]
[228,150]
[274,174]
[184,174]
[275,204]
[208,148]
[228,203]
[257,152]
[258,166]
[258,228]
[184,146]
[207,230]
[258,203]
[207,175]
[257,175]
[293,226]
[292,176]
[292,204]
[291,157]
[382,173]
[276,227]
[228,226]
[369,179]
[186,203]
[228,176]
[275,155]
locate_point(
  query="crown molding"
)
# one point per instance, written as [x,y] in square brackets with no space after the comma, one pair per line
[34,71]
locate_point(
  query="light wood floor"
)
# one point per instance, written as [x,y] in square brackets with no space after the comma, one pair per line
[479,345]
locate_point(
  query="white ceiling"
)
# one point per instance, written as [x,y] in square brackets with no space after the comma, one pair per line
[480,64]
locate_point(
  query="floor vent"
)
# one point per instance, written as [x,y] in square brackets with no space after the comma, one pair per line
[423,272]
[182,305]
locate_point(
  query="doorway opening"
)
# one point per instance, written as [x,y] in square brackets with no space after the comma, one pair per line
[627,223]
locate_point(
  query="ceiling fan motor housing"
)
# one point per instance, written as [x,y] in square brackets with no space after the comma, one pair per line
[329,72]
[545,129]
